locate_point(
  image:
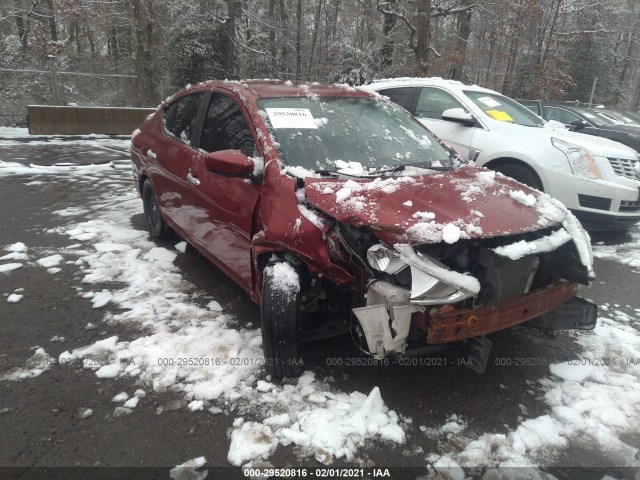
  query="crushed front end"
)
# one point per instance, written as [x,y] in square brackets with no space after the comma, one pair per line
[431,294]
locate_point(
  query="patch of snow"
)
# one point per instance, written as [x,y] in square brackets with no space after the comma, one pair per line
[181,246]
[50,261]
[14,298]
[189,470]
[35,366]
[524,198]
[9,267]
[549,243]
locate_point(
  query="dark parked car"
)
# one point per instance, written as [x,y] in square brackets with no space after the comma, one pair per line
[590,121]
[332,206]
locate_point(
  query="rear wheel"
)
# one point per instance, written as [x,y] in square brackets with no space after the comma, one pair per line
[158,228]
[280,322]
[521,173]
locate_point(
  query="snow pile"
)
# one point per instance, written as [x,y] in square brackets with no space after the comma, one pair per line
[594,398]
[284,278]
[189,470]
[549,243]
[35,366]
[523,198]
[9,267]
[327,425]
[14,298]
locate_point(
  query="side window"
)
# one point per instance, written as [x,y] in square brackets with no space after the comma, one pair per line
[433,102]
[401,96]
[225,127]
[566,117]
[180,117]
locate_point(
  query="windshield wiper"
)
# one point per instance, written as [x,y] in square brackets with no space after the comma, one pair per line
[326,173]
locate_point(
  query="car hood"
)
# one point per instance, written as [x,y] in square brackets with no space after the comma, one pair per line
[469,202]
[596,145]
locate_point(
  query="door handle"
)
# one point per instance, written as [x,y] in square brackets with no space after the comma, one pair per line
[193,179]
[151,154]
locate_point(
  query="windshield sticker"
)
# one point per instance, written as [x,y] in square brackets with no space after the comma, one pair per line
[291,118]
[500,115]
[489,102]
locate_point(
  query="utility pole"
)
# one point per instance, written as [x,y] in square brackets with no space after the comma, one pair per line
[593,90]
[54,79]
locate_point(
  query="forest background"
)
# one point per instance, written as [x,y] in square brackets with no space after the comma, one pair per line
[136,52]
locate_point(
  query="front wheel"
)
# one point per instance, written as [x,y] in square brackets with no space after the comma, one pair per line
[522,174]
[158,228]
[280,320]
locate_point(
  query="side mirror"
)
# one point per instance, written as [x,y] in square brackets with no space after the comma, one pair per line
[458,115]
[232,163]
[579,124]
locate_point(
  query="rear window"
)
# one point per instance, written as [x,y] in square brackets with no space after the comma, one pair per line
[180,117]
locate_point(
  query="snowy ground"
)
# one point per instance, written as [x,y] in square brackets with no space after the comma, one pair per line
[181,340]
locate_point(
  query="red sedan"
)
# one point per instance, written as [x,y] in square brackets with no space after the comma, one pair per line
[335,210]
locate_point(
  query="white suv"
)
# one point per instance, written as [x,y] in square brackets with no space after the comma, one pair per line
[598,179]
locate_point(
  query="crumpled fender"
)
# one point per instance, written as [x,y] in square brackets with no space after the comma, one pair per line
[281,227]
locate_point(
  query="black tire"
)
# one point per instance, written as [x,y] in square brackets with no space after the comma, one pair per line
[522,174]
[158,228]
[280,323]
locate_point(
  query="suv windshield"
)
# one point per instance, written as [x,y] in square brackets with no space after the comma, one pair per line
[348,134]
[504,109]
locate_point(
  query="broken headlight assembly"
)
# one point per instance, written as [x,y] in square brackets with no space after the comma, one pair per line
[432,283]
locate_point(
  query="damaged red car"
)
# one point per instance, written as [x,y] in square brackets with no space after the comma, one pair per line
[337,211]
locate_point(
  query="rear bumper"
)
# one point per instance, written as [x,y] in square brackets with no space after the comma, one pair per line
[451,325]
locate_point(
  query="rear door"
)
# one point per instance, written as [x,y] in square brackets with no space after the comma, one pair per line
[219,208]
[172,155]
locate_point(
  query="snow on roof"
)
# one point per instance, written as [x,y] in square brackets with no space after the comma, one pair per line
[424,82]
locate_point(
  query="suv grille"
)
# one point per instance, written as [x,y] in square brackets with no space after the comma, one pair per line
[627,206]
[624,167]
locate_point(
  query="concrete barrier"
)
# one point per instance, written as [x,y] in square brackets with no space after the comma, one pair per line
[55,120]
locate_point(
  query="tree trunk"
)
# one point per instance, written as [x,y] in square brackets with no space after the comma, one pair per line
[299,40]
[388,37]
[423,34]
[230,38]
[314,38]
[53,30]
[462,38]
[284,20]
[272,31]
[21,25]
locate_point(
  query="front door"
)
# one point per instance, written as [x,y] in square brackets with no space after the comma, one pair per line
[219,209]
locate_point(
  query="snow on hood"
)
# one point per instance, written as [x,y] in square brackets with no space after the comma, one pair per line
[470,202]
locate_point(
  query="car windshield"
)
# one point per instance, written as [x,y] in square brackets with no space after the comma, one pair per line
[504,109]
[349,135]
[595,118]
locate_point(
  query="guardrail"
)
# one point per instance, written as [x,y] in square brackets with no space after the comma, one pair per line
[74,120]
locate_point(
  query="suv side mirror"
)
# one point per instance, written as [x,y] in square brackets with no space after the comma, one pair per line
[579,124]
[458,115]
[232,163]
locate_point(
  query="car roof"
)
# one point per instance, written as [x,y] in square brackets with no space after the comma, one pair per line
[426,82]
[256,89]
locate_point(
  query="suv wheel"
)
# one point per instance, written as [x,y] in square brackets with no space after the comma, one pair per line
[522,174]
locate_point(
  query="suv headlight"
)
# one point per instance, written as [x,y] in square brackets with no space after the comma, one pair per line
[580,159]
